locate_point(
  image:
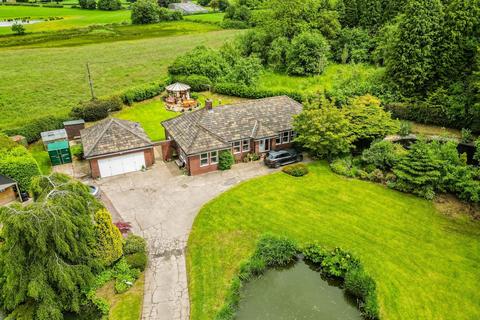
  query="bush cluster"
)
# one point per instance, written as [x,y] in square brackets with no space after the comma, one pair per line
[296,170]
[196,82]
[340,264]
[225,160]
[31,130]
[242,91]
[97,109]
[148,11]
[19,165]
[141,93]
[135,249]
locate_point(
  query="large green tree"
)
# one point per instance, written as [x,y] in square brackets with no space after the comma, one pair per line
[323,129]
[412,63]
[308,54]
[46,254]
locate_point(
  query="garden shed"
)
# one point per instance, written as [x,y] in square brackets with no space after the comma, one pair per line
[59,153]
[8,190]
[73,128]
[53,136]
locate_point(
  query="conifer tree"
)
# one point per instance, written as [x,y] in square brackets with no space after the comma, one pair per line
[412,63]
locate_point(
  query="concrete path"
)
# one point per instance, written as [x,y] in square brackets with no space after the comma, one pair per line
[161,204]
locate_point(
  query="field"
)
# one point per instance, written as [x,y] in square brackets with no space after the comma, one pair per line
[72,18]
[425,264]
[152,112]
[334,76]
[49,81]
[207,17]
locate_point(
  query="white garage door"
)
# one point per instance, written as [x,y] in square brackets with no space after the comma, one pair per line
[121,164]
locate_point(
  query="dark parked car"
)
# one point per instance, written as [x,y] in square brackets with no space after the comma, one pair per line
[275,159]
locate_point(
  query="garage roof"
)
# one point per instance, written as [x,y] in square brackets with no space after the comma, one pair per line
[112,136]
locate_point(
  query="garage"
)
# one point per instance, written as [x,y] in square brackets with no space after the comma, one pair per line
[115,146]
[121,164]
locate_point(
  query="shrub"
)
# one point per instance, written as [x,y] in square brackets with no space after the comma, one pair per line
[87,4]
[31,130]
[18,28]
[275,251]
[77,151]
[243,91]
[141,93]
[19,165]
[296,170]
[196,82]
[124,275]
[333,263]
[109,238]
[109,5]
[225,160]
[383,154]
[308,54]
[344,167]
[405,128]
[97,109]
[134,244]
[165,14]
[145,12]
[466,135]
[358,283]
[137,260]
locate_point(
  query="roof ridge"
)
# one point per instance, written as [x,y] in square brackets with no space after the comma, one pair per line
[130,130]
[99,136]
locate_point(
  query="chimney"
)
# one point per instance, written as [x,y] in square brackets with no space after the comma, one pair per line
[208,104]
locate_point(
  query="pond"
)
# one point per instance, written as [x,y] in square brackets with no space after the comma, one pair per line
[11,23]
[295,293]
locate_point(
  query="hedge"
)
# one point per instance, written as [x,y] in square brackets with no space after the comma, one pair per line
[434,114]
[31,130]
[19,165]
[98,109]
[197,82]
[242,91]
[142,92]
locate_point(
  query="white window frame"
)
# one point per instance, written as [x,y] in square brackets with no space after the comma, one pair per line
[214,154]
[203,159]
[247,145]
[293,135]
[237,144]
[278,139]
[285,137]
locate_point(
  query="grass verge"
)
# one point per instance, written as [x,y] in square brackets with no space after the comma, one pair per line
[43,159]
[419,258]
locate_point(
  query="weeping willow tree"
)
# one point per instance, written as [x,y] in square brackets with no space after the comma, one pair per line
[47,251]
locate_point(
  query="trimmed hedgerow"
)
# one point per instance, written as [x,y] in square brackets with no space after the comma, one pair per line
[97,109]
[274,251]
[196,82]
[31,130]
[296,170]
[243,91]
[19,165]
[141,93]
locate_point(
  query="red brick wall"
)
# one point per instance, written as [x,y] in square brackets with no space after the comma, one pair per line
[95,170]
[194,166]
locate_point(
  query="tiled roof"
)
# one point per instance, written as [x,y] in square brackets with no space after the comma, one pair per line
[112,136]
[206,130]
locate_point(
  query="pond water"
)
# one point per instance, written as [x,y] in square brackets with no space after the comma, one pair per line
[295,293]
[11,23]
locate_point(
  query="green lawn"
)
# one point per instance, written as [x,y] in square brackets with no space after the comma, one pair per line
[38,152]
[127,305]
[40,81]
[151,113]
[425,264]
[206,17]
[334,76]
[72,18]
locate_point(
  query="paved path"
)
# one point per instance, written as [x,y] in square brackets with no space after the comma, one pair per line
[161,204]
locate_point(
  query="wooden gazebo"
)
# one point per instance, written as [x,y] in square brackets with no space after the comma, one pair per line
[179,96]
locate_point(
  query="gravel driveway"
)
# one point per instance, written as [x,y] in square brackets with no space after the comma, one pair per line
[161,204]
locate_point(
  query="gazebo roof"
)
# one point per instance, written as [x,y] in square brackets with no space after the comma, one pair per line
[178,87]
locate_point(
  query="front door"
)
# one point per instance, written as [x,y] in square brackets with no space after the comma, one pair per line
[264,145]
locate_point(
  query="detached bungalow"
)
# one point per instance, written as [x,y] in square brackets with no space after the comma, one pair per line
[256,126]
